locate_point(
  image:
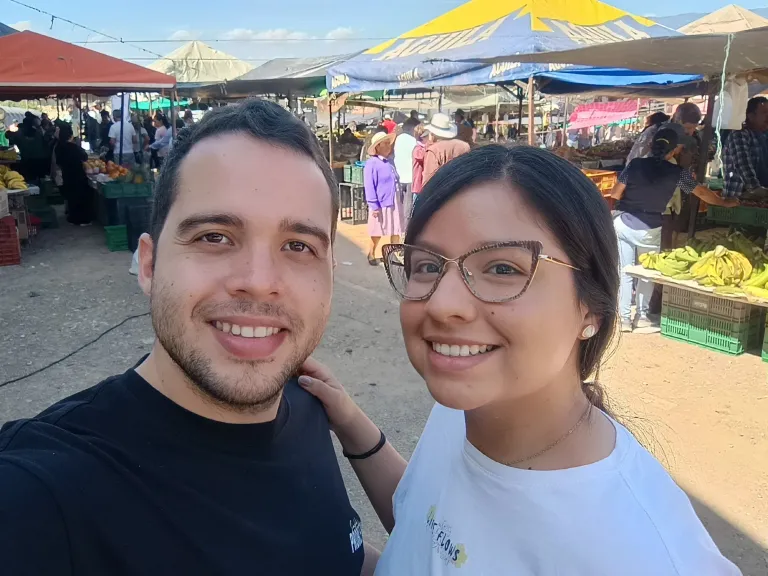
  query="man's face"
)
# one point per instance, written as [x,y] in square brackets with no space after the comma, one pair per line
[759,118]
[241,287]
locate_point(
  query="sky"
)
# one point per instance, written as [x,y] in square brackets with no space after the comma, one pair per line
[258,30]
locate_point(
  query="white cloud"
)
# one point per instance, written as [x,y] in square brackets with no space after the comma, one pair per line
[340,33]
[23,25]
[182,35]
[274,34]
[651,15]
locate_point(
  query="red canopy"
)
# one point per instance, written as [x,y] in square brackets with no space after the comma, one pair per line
[33,65]
[600,113]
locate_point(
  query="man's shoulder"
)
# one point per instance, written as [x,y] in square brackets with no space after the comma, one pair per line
[57,423]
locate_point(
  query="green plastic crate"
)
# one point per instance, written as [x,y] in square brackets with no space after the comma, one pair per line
[709,304]
[744,215]
[357,174]
[48,216]
[348,173]
[117,237]
[112,189]
[728,336]
[137,190]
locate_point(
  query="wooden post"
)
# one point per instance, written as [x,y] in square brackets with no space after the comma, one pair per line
[173,113]
[706,138]
[519,111]
[440,100]
[565,123]
[531,123]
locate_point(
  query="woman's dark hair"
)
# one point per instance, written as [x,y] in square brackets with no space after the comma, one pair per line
[656,119]
[163,118]
[664,142]
[569,205]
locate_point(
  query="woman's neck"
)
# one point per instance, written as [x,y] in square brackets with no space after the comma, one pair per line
[521,432]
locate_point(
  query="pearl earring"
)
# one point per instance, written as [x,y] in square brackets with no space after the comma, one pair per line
[588,331]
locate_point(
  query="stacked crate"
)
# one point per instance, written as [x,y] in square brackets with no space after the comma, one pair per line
[10,249]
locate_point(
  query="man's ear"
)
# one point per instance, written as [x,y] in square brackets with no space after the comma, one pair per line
[146,263]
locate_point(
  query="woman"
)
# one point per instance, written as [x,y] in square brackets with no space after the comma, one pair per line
[163,135]
[35,154]
[385,210]
[643,192]
[75,188]
[419,152]
[509,284]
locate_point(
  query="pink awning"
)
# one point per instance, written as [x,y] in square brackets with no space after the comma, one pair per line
[600,113]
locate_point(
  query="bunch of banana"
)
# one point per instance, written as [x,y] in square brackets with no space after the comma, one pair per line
[721,267]
[674,264]
[756,285]
[14,181]
[3,169]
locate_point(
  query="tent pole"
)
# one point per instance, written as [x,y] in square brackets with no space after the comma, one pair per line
[440,100]
[498,105]
[330,132]
[531,123]
[706,139]
[122,125]
[519,110]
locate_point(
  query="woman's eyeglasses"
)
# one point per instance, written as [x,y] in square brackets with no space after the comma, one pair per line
[494,273]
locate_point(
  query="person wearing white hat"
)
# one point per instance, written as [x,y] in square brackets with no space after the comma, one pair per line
[385,210]
[443,144]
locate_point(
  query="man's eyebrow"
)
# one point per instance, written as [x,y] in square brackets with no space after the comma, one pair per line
[298,227]
[220,219]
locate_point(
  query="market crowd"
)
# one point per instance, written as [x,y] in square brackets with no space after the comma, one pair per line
[213,454]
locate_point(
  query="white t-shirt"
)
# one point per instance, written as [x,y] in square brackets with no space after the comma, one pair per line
[404,145]
[128,134]
[458,512]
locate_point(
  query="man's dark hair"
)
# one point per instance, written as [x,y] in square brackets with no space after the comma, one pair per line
[754,104]
[260,119]
[460,113]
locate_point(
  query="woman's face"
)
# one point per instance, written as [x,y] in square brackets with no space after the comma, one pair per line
[535,337]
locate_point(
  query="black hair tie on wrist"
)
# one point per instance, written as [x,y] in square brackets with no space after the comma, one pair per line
[371,452]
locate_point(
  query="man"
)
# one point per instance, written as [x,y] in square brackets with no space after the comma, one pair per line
[684,121]
[123,139]
[404,145]
[413,119]
[389,124]
[465,128]
[106,124]
[443,145]
[189,119]
[745,156]
[207,458]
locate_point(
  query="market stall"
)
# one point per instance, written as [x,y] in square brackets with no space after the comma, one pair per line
[37,66]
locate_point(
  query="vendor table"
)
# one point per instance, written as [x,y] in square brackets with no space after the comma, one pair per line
[659,278]
[352,203]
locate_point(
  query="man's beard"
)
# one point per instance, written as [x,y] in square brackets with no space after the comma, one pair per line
[253,391]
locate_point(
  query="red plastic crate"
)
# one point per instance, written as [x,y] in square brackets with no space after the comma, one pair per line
[10,250]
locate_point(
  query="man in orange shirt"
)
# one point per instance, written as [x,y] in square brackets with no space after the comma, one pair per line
[443,145]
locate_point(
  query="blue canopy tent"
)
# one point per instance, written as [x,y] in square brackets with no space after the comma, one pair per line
[441,52]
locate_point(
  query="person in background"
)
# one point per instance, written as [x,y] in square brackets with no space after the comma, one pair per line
[413,119]
[75,186]
[655,120]
[508,284]
[643,192]
[91,129]
[419,151]
[443,145]
[745,156]
[35,154]
[189,119]
[385,210]
[389,124]
[163,136]
[149,126]
[465,129]
[404,145]
[143,139]
[124,149]
[685,120]
[348,137]
[106,124]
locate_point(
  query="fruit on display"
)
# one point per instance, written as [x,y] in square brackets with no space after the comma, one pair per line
[115,171]
[95,166]
[737,267]
[11,179]
[9,154]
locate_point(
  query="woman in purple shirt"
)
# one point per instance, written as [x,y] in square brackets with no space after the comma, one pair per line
[381,192]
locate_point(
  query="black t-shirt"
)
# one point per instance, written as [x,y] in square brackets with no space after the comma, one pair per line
[650,184]
[119,480]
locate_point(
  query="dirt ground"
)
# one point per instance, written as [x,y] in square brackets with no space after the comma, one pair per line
[704,414]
